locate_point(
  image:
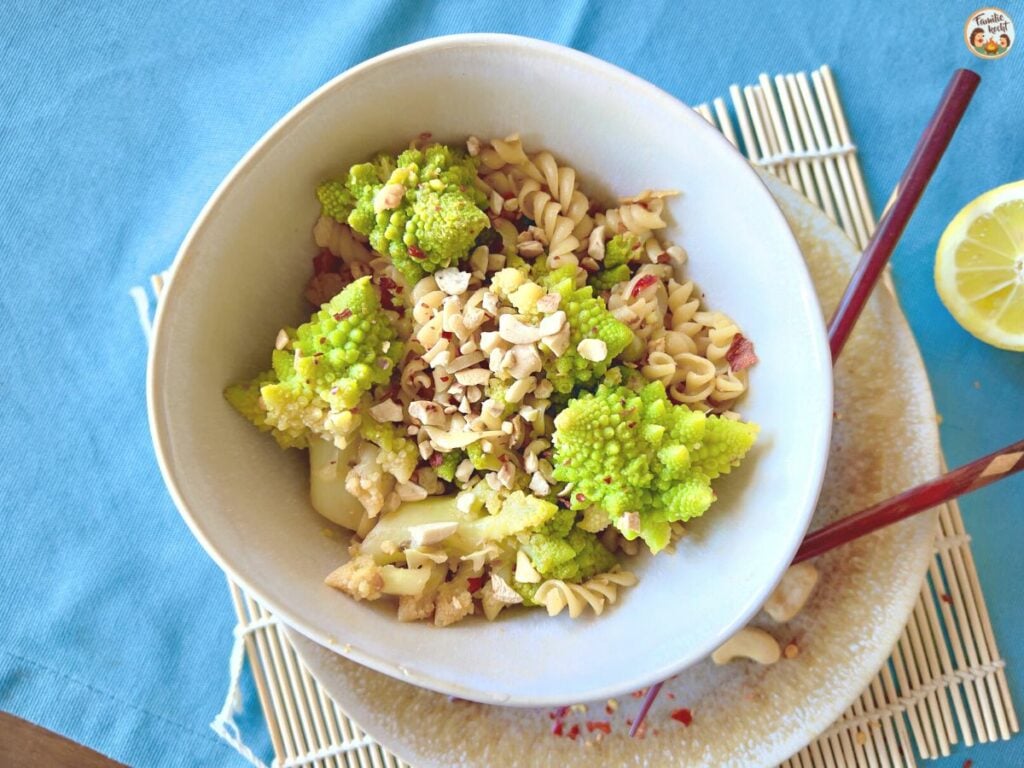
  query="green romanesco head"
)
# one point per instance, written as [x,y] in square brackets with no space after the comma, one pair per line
[636,452]
[437,219]
[328,364]
[615,266]
[588,318]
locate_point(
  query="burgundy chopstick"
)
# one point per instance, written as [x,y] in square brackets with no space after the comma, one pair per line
[970,477]
[927,154]
[924,161]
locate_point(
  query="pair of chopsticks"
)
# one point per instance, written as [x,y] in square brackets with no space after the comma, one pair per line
[970,477]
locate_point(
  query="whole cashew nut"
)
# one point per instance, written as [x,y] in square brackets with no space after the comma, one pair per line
[749,643]
[792,593]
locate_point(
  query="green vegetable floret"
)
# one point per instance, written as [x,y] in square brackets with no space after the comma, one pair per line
[398,454]
[643,460]
[319,376]
[422,209]
[561,550]
[615,266]
[449,463]
[588,318]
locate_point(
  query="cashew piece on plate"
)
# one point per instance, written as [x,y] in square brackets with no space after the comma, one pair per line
[749,643]
[792,592]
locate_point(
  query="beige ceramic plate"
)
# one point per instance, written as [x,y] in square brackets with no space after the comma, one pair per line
[884,439]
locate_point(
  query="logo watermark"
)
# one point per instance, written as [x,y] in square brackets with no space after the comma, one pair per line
[989,33]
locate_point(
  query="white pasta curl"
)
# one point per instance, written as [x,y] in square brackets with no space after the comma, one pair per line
[557,595]
[339,240]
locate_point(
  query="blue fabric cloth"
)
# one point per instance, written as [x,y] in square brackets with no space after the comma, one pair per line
[116,125]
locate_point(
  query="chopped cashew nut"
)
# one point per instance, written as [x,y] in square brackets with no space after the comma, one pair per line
[514,331]
[749,643]
[792,592]
[411,492]
[431,533]
[452,281]
[525,572]
[282,339]
[449,441]
[549,303]
[558,342]
[427,413]
[552,324]
[525,361]
[595,246]
[388,410]
[389,196]
[593,350]
[503,593]
[473,377]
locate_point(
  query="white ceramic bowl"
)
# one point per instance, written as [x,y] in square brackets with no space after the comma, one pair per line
[239,277]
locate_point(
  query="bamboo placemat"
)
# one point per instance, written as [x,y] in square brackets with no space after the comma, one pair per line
[945,682]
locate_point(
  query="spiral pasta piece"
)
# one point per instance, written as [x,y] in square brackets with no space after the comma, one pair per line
[557,595]
[339,240]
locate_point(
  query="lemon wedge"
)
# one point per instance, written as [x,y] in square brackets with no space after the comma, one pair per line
[979,267]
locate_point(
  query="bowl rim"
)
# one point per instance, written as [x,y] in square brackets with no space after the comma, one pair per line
[817,352]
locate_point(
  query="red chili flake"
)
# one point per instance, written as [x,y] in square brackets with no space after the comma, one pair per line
[436,459]
[683,715]
[639,694]
[388,290]
[574,732]
[343,315]
[446,379]
[645,281]
[474,583]
[446,335]
[607,481]
[557,728]
[741,353]
[608,709]
[599,725]
[664,258]
[416,252]
[968,763]
[580,497]
[325,261]
[671,696]
[562,712]
[946,598]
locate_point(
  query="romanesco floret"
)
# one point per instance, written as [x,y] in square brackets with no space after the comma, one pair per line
[588,319]
[398,454]
[449,463]
[345,349]
[570,555]
[636,452]
[433,223]
[615,266]
[560,549]
[336,201]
